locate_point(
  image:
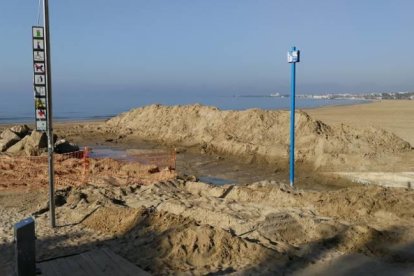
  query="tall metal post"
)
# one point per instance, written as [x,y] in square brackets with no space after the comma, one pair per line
[292,121]
[49,113]
[293,57]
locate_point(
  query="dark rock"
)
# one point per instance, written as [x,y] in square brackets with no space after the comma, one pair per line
[38,139]
[60,200]
[186,177]
[63,146]
[8,139]
[20,130]
[154,170]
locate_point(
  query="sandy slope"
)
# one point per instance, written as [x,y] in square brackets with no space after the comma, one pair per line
[263,228]
[259,135]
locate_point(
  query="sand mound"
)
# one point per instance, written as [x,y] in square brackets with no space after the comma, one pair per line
[357,203]
[167,242]
[190,226]
[259,135]
[179,244]
[116,220]
[263,228]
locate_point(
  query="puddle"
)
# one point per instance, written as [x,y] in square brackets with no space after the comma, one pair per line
[213,170]
[144,156]
[116,154]
[201,166]
[215,180]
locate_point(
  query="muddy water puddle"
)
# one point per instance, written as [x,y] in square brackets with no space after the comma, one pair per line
[218,170]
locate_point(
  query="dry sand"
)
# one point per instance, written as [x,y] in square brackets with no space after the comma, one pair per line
[264,228]
[263,136]
[396,116]
[257,229]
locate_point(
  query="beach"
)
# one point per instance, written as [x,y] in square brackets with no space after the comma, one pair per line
[392,115]
[167,222]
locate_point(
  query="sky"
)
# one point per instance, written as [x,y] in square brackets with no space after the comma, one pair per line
[215,47]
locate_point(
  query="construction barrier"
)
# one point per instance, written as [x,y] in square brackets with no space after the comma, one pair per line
[80,168]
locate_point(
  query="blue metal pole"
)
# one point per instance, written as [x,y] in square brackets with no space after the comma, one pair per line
[292,121]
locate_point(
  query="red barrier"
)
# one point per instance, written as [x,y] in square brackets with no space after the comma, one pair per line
[78,168]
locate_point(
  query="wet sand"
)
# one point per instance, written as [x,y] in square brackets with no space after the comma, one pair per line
[193,162]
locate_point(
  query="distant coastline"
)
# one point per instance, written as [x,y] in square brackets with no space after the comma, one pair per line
[72,109]
[342,96]
[84,112]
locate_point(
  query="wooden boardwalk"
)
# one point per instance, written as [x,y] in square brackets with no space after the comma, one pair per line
[97,262]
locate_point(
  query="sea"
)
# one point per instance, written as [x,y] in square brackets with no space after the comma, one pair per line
[100,106]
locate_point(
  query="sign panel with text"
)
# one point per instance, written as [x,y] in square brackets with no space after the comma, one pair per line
[39,78]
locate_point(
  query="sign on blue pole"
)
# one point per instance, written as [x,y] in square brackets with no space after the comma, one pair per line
[293,56]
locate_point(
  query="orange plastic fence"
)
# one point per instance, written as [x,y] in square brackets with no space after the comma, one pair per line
[77,168]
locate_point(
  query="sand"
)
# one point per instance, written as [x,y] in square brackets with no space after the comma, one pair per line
[262,136]
[260,229]
[395,116]
[178,225]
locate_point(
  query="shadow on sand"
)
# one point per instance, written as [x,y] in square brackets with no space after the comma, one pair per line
[153,243]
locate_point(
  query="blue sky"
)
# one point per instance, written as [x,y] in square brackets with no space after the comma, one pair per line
[213,46]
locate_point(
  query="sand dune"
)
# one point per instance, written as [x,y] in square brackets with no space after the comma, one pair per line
[262,136]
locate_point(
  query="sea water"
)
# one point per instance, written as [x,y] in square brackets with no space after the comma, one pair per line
[94,106]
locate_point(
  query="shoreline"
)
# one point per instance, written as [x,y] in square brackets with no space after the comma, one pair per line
[56,122]
[106,117]
[362,102]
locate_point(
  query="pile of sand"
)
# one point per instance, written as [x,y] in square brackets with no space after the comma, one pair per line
[165,243]
[261,135]
[263,227]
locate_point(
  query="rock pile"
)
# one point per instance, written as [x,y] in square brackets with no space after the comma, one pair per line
[21,140]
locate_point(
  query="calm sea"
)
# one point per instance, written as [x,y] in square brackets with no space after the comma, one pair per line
[102,106]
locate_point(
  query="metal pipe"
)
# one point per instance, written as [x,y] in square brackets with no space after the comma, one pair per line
[49,113]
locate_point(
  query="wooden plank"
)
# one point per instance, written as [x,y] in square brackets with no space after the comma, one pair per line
[87,267]
[97,262]
[124,266]
[45,268]
[99,259]
[67,267]
[58,267]
[127,267]
[55,268]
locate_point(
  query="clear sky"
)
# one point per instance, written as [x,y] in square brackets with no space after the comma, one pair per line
[213,46]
